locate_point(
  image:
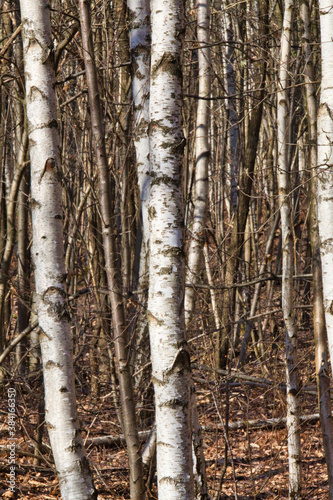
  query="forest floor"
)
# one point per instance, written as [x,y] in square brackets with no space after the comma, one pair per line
[257,457]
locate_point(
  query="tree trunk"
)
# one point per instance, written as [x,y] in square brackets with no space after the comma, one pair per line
[10,229]
[294,451]
[122,130]
[319,325]
[139,16]
[325,160]
[111,263]
[48,254]
[140,51]
[170,358]
[202,158]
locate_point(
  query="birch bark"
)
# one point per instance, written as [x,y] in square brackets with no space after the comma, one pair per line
[325,164]
[48,254]
[319,325]
[294,452]
[139,17]
[170,358]
[202,158]
[140,50]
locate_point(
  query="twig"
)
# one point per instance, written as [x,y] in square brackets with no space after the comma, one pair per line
[17,339]
[273,277]
[19,451]
[261,424]
[115,440]
[10,40]
[250,379]
[61,46]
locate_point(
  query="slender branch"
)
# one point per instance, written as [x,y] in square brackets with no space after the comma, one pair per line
[260,424]
[62,45]
[10,40]
[246,283]
[115,440]
[16,340]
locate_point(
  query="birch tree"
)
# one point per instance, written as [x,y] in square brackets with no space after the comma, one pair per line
[140,51]
[319,325]
[139,35]
[48,254]
[200,201]
[288,257]
[202,155]
[325,164]
[169,355]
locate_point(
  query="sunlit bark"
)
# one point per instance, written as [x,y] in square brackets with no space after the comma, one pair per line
[139,34]
[319,325]
[169,355]
[294,450]
[48,254]
[325,164]
[202,156]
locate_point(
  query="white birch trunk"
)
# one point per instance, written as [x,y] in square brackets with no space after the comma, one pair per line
[294,453]
[319,325]
[48,254]
[170,359]
[202,155]
[139,35]
[325,164]
[140,50]
[213,297]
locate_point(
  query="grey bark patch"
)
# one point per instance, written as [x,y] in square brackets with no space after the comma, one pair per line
[165,271]
[330,309]
[54,297]
[75,446]
[53,291]
[51,364]
[181,362]
[327,245]
[173,251]
[171,480]
[84,464]
[151,212]
[49,166]
[168,63]
[34,92]
[165,179]
[34,204]
[173,403]
[52,124]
